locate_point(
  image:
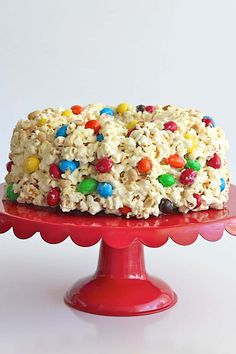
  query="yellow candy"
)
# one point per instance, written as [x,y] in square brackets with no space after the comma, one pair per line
[132,124]
[122,108]
[67,113]
[31,164]
[193,139]
[42,121]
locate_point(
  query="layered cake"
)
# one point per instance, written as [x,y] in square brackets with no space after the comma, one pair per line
[127,160]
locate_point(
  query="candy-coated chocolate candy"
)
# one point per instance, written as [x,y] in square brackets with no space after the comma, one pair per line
[144,165]
[222,184]
[66,113]
[175,161]
[122,108]
[62,131]
[105,189]
[104,165]
[54,171]
[11,195]
[100,137]
[125,210]
[9,166]
[108,111]
[76,109]
[87,186]
[149,109]
[42,121]
[193,140]
[209,122]
[198,200]
[140,108]
[193,164]
[167,207]
[65,165]
[132,124]
[93,124]
[215,161]
[188,176]
[31,164]
[167,180]
[172,126]
[53,196]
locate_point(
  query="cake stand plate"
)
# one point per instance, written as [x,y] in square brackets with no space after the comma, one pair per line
[120,285]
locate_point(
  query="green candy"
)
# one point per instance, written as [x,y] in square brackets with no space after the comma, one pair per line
[167,180]
[11,195]
[193,164]
[87,186]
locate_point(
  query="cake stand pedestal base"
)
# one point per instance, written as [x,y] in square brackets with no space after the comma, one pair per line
[121,286]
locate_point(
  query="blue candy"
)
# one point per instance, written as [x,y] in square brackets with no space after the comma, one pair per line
[213,122]
[104,189]
[77,163]
[100,137]
[68,165]
[62,131]
[222,184]
[107,110]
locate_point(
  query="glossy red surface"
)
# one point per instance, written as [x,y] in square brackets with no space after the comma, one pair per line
[120,286]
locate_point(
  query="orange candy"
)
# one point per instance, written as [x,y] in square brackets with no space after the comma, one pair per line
[176,161]
[144,165]
[93,124]
[76,109]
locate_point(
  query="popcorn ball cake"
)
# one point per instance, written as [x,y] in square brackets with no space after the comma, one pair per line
[127,160]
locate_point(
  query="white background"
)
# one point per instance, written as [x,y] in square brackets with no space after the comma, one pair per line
[59,53]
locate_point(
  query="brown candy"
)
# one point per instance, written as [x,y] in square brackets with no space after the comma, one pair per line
[167,207]
[140,108]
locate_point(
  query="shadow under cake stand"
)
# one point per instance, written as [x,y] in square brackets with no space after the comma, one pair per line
[120,285]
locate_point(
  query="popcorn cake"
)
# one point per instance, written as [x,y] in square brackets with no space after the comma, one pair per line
[127,160]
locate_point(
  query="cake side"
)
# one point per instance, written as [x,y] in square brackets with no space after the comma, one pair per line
[136,161]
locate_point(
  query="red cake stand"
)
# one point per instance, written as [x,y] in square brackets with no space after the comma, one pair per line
[120,285]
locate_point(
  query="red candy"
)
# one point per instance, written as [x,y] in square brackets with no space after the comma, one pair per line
[53,197]
[188,176]
[9,166]
[125,210]
[149,109]
[198,199]
[55,171]
[215,161]
[93,124]
[76,109]
[208,122]
[104,165]
[172,126]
